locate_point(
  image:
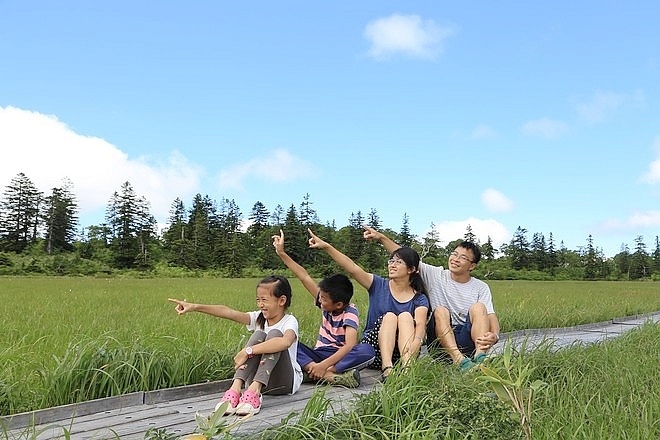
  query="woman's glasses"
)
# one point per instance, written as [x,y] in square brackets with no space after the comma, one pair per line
[395,261]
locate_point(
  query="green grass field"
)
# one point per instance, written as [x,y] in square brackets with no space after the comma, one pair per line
[73,339]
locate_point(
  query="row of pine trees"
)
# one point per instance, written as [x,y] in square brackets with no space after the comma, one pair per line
[211,235]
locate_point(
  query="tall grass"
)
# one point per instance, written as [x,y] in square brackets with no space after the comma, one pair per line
[70,339]
[608,390]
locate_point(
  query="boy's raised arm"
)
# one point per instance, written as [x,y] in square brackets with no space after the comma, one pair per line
[297,269]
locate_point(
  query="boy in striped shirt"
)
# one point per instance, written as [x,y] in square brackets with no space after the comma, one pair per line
[337,356]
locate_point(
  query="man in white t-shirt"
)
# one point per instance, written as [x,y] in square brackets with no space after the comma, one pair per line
[463,320]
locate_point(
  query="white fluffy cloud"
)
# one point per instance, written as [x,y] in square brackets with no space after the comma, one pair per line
[653,174]
[635,221]
[600,107]
[495,201]
[46,150]
[280,166]
[407,35]
[545,127]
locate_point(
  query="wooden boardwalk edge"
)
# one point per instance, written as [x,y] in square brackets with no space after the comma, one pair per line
[74,410]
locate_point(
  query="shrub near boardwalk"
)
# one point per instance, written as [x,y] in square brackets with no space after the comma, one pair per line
[72,339]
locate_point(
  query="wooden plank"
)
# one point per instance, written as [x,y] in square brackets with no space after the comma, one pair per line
[70,412]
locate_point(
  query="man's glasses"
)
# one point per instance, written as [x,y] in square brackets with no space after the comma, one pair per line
[461,257]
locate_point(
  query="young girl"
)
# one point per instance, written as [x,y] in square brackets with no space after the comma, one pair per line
[268,362]
[396,318]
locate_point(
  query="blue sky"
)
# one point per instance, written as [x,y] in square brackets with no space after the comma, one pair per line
[544,115]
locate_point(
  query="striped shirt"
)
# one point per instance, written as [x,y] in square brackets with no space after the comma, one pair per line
[332,332]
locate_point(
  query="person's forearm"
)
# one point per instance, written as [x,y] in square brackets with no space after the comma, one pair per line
[274,345]
[300,273]
[344,261]
[389,244]
[218,310]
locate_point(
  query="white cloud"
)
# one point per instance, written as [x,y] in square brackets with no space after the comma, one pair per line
[405,34]
[601,106]
[279,166]
[453,230]
[545,127]
[483,131]
[637,220]
[46,150]
[495,201]
[653,174]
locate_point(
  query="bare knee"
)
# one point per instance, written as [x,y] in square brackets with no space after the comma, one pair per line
[441,315]
[405,318]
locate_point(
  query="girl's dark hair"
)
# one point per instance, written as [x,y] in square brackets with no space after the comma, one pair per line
[411,258]
[280,287]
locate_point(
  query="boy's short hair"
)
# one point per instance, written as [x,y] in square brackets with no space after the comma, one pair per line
[338,287]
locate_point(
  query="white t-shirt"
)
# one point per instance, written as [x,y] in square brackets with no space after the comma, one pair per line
[457,297]
[288,322]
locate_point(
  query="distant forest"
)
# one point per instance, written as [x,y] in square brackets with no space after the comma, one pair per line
[40,234]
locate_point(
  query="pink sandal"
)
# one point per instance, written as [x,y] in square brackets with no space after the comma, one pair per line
[232,397]
[250,403]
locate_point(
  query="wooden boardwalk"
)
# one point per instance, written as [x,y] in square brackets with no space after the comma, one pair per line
[131,416]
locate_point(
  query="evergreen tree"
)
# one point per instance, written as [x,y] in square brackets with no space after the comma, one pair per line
[518,250]
[200,230]
[552,255]
[373,254]
[296,237]
[538,252]
[591,261]
[229,244]
[20,211]
[308,217]
[60,219]
[470,236]
[656,256]
[258,238]
[278,217]
[258,219]
[351,240]
[405,236]
[623,262]
[175,240]
[640,265]
[488,250]
[132,228]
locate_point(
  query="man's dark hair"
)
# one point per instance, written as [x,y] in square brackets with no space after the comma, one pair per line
[473,247]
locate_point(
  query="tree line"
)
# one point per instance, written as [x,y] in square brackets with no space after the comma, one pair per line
[40,234]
